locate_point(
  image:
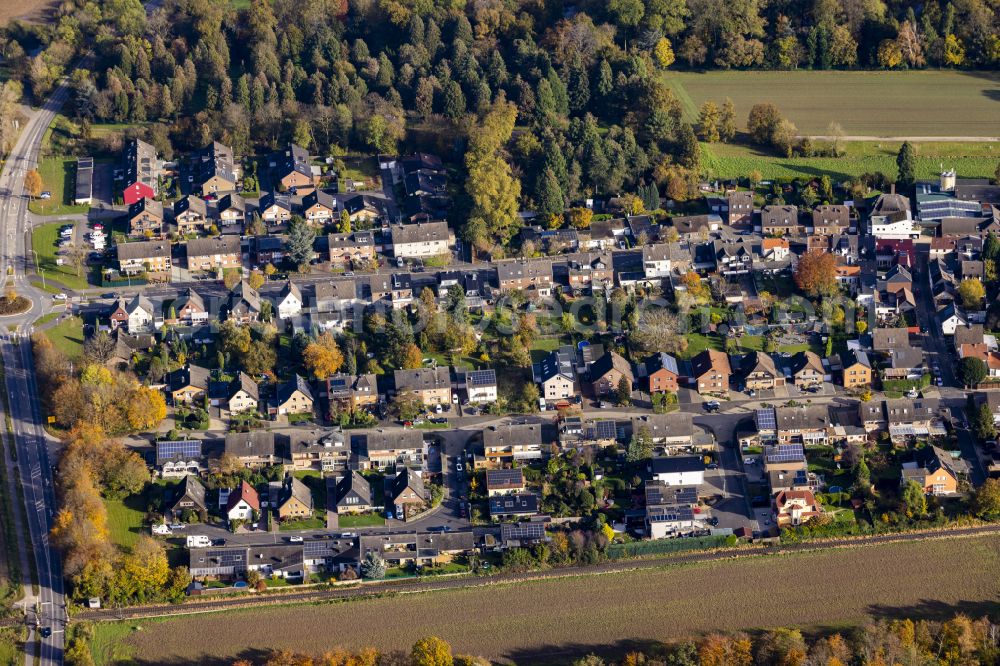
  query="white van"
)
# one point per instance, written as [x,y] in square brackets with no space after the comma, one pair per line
[198,541]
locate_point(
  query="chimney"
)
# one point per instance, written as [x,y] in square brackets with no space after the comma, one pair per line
[892,188]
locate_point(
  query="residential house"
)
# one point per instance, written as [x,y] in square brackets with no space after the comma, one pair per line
[296,500]
[663,373]
[142,172]
[677,470]
[243,395]
[936,470]
[145,218]
[386,448]
[670,510]
[758,372]
[318,206]
[354,250]
[795,507]
[211,254]
[243,305]
[607,373]
[268,250]
[590,272]
[503,444]
[408,493]
[253,449]
[188,384]
[710,372]
[243,503]
[426,239]
[513,507]
[780,221]
[907,419]
[740,208]
[529,275]
[808,425]
[141,315]
[886,339]
[857,369]
[349,393]
[232,210]
[215,170]
[890,217]
[807,369]
[950,318]
[178,458]
[353,493]
[904,363]
[504,482]
[290,168]
[830,219]
[431,385]
[555,375]
[481,386]
[365,209]
[665,431]
[660,259]
[293,397]
[119,314]
[289,301]
[190,214]
[274,208]
[151,257]
[189,496]
[417,548]
[310,451]
[127,347]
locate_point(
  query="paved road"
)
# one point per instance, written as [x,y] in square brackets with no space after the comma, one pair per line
[32,453]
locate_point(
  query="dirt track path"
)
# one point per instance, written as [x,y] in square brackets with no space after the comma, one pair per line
[921,139]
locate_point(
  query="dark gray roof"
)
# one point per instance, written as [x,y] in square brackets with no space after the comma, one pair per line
[203,247]
[143,250]
[259,443]
[676,464]
[519,504]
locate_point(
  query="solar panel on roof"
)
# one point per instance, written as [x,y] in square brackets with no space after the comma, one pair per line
[522,531]
[481,377]
[190,448]
[605,429]
[785,453]
[496,477]
[765,419]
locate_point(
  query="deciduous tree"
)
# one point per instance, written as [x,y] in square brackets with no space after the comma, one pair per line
[322,357]
[816,274]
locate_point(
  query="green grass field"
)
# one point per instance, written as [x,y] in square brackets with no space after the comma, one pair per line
[361,520]
[125,519]
[67,336]
[58,177]
[920,103]
[44,239]
[970,160]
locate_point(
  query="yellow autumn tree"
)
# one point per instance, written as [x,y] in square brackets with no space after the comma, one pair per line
[322,357]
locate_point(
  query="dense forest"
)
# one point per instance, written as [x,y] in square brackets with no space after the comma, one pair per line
[579,92]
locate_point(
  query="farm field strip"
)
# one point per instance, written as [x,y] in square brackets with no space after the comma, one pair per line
[561,614]
[917,103]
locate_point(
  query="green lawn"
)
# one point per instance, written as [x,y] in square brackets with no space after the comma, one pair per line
[125,519]
[542,346]
[915,103]
[698,343]
[362,168]
[67,336]
[44,240]
[59,177]
[361,520]
[313,523]
[736,161]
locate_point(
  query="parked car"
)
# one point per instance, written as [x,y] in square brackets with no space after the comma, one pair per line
[45,195]
[295,539]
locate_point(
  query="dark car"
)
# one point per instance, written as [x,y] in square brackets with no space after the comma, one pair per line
[218,542]
[439,528]
[45,632]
